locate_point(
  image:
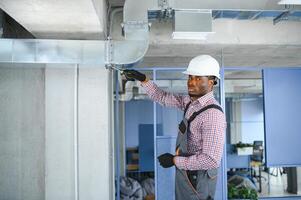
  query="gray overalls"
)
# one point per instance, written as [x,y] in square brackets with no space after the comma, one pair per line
[199,184]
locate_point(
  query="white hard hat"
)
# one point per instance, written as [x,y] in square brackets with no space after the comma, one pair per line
[203,65]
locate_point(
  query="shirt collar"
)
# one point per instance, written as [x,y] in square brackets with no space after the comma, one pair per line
[204,99]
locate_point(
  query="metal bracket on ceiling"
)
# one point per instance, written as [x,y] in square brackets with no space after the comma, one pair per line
[216,14]
[281,17]
[166,11]
[109,50]
[163,4]
[255,15]
[289,9]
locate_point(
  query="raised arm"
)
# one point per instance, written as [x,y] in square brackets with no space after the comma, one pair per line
[155,93]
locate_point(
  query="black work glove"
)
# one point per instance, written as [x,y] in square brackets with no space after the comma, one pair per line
[132,75]
[166,160]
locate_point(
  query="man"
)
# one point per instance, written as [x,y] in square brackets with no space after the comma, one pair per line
[200,139]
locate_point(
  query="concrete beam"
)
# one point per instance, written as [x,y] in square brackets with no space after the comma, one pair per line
[68,19]
[233,55]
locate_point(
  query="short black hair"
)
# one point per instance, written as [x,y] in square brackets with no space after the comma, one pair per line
[213,78]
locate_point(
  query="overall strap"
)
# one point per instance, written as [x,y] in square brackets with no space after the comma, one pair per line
[195,114]
[186,108]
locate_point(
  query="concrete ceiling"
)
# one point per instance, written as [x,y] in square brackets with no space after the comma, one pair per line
[59,19]
[241,43]
[177,55]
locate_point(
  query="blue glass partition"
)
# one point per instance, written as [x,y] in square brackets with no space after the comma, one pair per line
[282,99]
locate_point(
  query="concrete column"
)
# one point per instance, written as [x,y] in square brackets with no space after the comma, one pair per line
[59,132]
[95,134]
[95,153]
[37,120]
[22,139]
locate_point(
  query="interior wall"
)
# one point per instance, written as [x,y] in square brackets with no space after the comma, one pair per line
[22,139]
[247,123]
[137,112]
[252,121]
[37,120]
[171,117]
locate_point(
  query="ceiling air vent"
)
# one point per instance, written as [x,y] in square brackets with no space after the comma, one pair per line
[192,24]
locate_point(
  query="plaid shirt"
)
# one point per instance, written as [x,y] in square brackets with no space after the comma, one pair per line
[206,140]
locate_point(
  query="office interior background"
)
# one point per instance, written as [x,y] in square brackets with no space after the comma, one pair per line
[73,128]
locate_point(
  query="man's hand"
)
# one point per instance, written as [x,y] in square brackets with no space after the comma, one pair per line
[132,75]
[166,160]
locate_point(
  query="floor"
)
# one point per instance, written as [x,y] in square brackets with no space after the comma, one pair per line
[277,185]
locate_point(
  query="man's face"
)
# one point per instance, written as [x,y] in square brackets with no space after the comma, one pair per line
[199,86]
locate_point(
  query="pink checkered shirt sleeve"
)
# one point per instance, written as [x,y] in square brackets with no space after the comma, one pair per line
[164,98]
[212,127]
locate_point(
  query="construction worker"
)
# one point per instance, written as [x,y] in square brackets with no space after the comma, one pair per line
[201,134]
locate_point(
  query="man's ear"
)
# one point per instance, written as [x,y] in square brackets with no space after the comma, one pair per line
[211,81]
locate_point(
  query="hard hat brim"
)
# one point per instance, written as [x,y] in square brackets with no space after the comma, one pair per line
[198,74]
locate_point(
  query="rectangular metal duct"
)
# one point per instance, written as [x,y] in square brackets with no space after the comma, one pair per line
[53,51]
[192,24]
